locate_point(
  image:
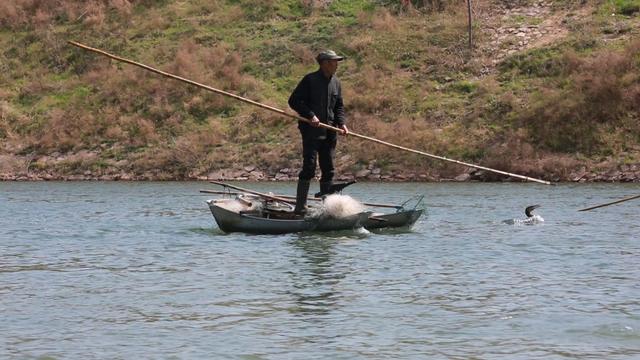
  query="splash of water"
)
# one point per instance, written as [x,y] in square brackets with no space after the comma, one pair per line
[362,231]
[535,219]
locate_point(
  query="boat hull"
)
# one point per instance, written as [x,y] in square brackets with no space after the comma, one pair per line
[232,221]
[396,220]
[247,216]
[346,223]
[229,221]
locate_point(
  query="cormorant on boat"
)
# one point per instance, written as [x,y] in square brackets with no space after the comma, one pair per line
[333,188]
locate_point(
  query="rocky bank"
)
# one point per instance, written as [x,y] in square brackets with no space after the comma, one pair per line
[69,168]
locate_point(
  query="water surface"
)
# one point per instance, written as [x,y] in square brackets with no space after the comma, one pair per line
[140,270]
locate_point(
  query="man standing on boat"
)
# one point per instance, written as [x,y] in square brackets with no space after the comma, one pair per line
[318,97]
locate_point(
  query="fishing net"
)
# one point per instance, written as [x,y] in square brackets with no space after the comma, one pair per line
[341,206]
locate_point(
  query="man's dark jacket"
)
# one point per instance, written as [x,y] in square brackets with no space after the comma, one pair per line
[319,96]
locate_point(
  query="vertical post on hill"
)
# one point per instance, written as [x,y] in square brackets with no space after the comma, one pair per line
[469,17]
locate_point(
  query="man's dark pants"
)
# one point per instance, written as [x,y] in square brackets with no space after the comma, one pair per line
[321,149]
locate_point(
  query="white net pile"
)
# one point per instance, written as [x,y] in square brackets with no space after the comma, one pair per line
[340,206]
[241,203]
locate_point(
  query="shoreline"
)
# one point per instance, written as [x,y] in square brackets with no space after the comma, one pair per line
[85,166]
[631,175]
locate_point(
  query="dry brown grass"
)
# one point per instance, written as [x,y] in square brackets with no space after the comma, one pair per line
[383,20]
[16,14]
[123,7]
[139,131]
[405,131]
[94,14]
[304,54]
[429,5]
[156,108]
[154,21]
[398,87]
[360,43]
[9,119]
[65,131]
[376,91]
[602,91]
[188,153]
[219,63]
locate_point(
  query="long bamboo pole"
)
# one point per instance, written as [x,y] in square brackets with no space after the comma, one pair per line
[300,118]
[611,203]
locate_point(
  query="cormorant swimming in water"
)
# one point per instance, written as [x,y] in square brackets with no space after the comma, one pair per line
[529,209]
[530,220]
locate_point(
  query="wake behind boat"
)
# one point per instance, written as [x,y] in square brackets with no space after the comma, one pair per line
[256,213]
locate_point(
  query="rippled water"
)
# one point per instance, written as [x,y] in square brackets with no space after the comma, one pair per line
[139,270]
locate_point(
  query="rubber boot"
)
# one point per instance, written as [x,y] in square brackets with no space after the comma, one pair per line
[301,196]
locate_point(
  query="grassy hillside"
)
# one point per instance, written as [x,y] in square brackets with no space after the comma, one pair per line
[550,89]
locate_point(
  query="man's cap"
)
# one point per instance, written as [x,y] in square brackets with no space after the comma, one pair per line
[329,55]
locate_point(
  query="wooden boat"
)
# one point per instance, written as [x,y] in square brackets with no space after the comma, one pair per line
[255,216]
[258,213]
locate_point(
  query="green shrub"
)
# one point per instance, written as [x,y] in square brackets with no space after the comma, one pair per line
[627,7]
[466,87]
[542,62]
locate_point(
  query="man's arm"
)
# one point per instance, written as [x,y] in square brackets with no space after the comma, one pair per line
[298,99]
[338,113]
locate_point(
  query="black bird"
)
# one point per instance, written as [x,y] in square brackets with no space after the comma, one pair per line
[529,209]
[334,188]
[531,219]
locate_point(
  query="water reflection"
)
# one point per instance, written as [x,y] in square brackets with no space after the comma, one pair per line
[315,275]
